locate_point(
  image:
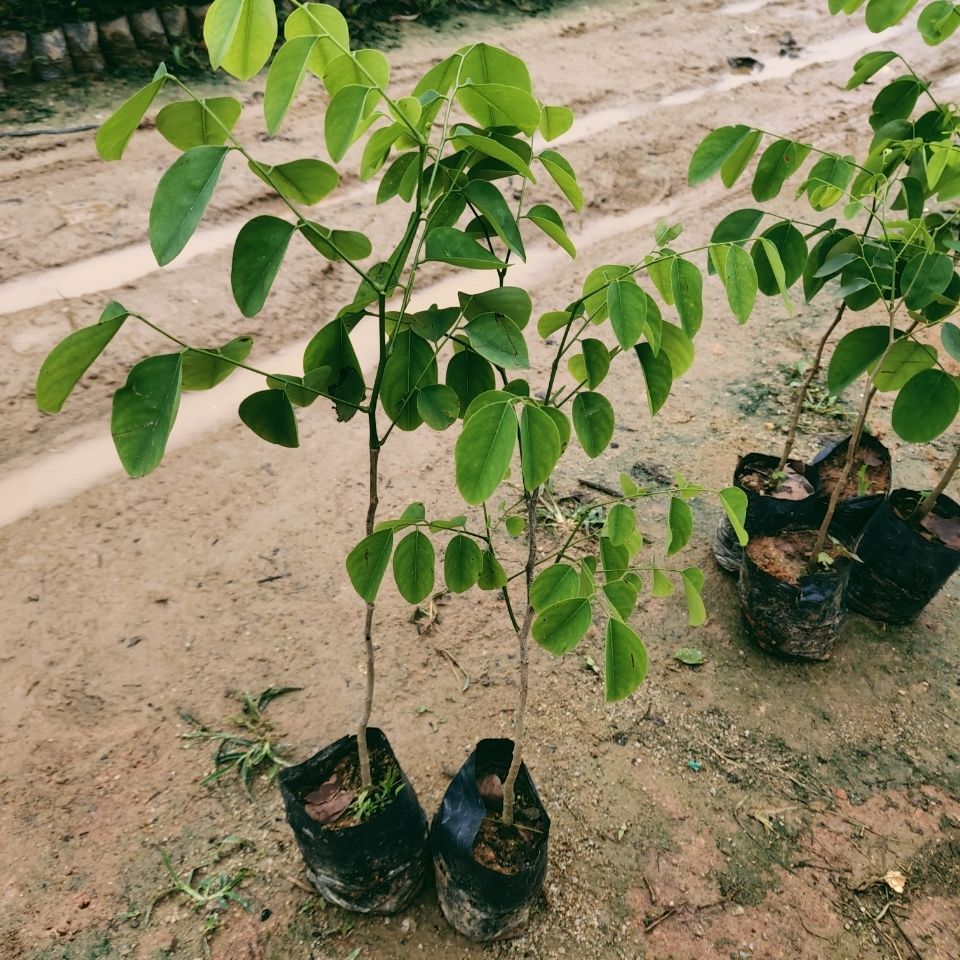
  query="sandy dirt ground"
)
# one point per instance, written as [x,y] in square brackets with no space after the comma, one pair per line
[747,808]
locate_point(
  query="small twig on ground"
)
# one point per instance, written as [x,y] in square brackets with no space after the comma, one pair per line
[599,487]
[458,671]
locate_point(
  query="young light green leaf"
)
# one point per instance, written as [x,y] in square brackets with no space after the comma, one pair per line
[499,105]
[491,147]
[257,255]
[620,523]
[551,223]
[70,359]
[734,502]
[883,14]
[692,585]
[625,661]
[680,525]
[144,410]
[561,626]
[180,199]
[690,656]
[189,123]
[515,525]
[555,122]
[462,563]
[557,582]
[938,21]
[563,176]
[367,563]
[484,450]
[662,586]
[269,414]
[413,567]
[204,370]
[240,34]
[285,78]
[622,597]
[926,406]
[115,133]
[343,117]
[305,181]
[593,421]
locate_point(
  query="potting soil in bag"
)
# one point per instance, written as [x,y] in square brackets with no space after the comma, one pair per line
[904,563]
[867,486]
[484,896]
[373,865]
[791,502]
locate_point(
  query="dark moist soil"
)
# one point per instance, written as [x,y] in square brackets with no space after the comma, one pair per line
[507,850]
[877,476]
[786,555]
[759,481]
[329,802]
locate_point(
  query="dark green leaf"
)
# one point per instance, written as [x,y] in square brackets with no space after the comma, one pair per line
[512,302]
[470,376]
[453,246]
[144,410]
[115,133]
[950,336]
[180,199]
[686,284]
[625,660]
[561,626]
[551,223]
[627,306]
[563,176]
[737,162]
[342,119]
[791,247]
[70,359]
[657,375]
[680,524]
[557,582]
[257,255]
[489,201]
[713,151]
[622,597]
[868,65]
[411,365]
[439,406]
[740,279]
[269,414]
[778,162]
[926,406]
[484,450]
[367,563]
[462,563]
[854,354]
[593,421]
[924,278]
[492,575]
[413,567]
[539,446]
[499,105]
[896,101]
[499,340]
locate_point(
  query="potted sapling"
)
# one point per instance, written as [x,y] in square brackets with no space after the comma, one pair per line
[900,259]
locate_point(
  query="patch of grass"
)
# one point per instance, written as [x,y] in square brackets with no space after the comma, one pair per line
[369,803]
[249,749]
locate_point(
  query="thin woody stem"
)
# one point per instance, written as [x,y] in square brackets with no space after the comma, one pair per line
[930,501]
[841,483]
[802,396]
[373,502]
[509,785]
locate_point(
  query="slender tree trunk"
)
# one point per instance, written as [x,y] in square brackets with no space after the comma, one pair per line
[930,501]
[509,785]
[844,476]
[373,501]
[801,398]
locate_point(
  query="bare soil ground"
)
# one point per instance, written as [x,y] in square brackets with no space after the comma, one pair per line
[745,808]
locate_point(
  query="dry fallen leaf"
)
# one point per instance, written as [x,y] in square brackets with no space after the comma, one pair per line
[895,880]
